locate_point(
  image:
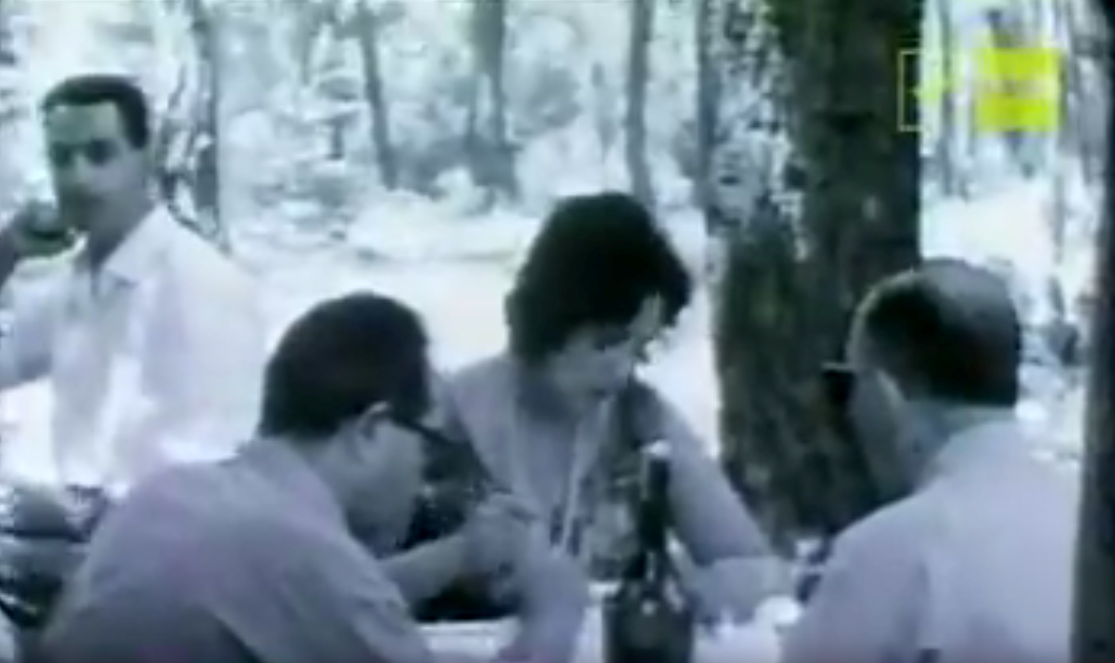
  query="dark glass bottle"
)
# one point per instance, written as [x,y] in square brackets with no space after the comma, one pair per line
[647,619]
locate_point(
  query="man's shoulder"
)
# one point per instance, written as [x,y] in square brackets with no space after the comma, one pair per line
[483,372]
[479,385]
[204,265]
[908,527]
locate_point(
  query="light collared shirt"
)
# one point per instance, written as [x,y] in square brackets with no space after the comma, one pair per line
[152,359]
[245,561]
[975,567]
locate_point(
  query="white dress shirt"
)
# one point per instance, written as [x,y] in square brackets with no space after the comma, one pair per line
[152,359]
[976,567]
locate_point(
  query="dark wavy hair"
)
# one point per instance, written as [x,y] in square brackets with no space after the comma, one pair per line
[596,261]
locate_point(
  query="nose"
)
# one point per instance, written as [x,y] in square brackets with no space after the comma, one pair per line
[76,177]
[620,364]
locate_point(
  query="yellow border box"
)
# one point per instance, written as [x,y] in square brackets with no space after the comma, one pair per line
[909,95]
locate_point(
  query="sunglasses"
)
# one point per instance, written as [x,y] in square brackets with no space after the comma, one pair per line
[838,381]
[446,458]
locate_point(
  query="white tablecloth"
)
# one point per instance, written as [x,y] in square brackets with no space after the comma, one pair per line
[478,642]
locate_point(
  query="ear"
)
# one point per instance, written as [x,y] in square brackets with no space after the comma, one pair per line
[892,390]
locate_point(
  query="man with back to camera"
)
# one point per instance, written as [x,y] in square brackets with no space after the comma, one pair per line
[152,340]
[975,565]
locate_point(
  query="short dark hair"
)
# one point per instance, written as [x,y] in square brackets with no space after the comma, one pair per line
[597,259]
[338,359]
[952,329]
[120,91]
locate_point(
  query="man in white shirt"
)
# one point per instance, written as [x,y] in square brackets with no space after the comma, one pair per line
[975,565]
[152,340]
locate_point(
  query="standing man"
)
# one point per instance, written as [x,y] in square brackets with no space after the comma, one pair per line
[151,340]
[976,564]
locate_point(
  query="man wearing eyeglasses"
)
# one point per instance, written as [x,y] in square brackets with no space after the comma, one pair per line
[254,559]
[975,564]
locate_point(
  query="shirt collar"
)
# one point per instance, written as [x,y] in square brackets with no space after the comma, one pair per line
[138,253]
[991,437]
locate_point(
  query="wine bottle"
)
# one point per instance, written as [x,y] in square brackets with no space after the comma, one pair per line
[647,619]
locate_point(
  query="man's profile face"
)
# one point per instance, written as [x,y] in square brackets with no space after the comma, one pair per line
[385,463]
[876,408]
[92,161]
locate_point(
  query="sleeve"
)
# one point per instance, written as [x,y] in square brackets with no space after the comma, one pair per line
[873,601]
[25,348]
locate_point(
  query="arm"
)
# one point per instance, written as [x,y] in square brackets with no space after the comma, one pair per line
[423,572]
[870,605]
[711,519]
[331,603]
[733,567]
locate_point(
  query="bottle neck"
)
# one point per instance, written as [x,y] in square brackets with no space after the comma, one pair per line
[651,561]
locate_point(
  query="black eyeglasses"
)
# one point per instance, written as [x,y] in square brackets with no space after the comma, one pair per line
[838,380]
[446,458]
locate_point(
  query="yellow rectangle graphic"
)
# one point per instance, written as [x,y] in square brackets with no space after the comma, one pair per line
[1017,89]
[996,112]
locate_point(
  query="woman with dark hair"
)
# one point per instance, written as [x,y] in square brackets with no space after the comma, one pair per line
[557,418]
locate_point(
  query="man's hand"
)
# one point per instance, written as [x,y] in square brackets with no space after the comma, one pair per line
[497,534]
[552,591]
[37,231]
[733,588]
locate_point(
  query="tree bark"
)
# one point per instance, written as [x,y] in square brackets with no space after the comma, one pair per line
[7,41]
[367,27]
[207,174]
[708,99]
[1094,619]
[946,140]
[803,236]
[491,156]
[638,74]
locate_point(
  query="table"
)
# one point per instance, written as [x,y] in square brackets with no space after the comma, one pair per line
[478,642]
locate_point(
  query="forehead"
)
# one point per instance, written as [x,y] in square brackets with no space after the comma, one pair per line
[646,323]
[83,124]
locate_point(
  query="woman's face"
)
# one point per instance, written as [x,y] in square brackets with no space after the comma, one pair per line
[597,360]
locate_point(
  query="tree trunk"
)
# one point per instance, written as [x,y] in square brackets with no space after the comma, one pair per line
[1010,29]
[186,144]
[638,73]
[946,139]
[205,27]
[11,108]
[1094,619]
[491,156]
[367,28]
[804,235]
[708,98]
[7,40]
